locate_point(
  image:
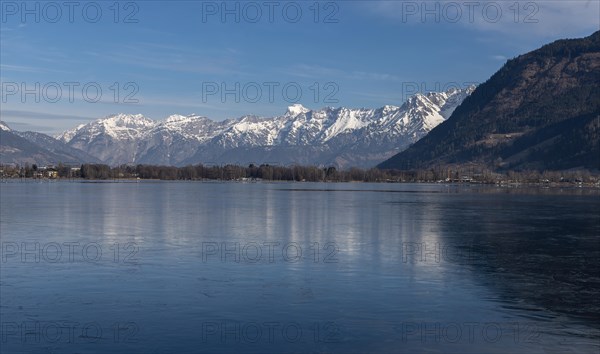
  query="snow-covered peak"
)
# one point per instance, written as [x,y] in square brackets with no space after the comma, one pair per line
[69,134]
[347,120]
[178,118]
[120,126]
[126,126]
[297,109]
[127,120]
[469,90]
[175,118]
[389,108]
[124,138]
[4,127]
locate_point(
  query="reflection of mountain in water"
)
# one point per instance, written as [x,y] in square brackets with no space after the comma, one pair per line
[537,250]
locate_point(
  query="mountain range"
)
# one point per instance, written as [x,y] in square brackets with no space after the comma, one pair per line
[341,137]
[540,111]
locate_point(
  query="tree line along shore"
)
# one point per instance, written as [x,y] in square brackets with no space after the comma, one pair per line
[268,172]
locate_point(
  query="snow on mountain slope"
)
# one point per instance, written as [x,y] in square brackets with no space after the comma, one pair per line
[297,109]
[361,137]
[119,126]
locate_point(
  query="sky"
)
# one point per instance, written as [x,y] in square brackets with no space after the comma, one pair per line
[67,63]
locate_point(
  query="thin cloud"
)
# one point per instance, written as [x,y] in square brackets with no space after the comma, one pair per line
[184,103]
[381,97]
[12,114]
[176,59]
[361,75]
[20,126]
[315,71]
[537,19]
[28,69]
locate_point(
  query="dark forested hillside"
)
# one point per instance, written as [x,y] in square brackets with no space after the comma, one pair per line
[540,111]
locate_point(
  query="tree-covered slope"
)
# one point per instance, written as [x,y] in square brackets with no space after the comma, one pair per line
[540,111]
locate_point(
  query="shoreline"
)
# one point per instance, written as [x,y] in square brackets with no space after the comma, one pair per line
[543,185]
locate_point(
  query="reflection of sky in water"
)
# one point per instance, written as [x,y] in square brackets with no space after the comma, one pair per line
[373,290]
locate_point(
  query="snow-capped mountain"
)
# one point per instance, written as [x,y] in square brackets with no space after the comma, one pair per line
[4,127]
[339,136]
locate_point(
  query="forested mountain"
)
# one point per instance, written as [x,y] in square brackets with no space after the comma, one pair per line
[540,111]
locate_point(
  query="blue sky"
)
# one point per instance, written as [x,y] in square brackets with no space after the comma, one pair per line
[176,57]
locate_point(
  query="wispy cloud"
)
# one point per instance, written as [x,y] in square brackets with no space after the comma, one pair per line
[525,18]
[12,114]
[17,47]
[172,103]
[173,58]
[29,69]
[380,97]
[21,126]
[325,73]
[49,123]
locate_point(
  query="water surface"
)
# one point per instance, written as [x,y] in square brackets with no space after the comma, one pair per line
[185,267]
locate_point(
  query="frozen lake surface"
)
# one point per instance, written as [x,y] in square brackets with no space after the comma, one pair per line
[187,267]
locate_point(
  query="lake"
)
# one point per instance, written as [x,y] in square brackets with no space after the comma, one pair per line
[188,267]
